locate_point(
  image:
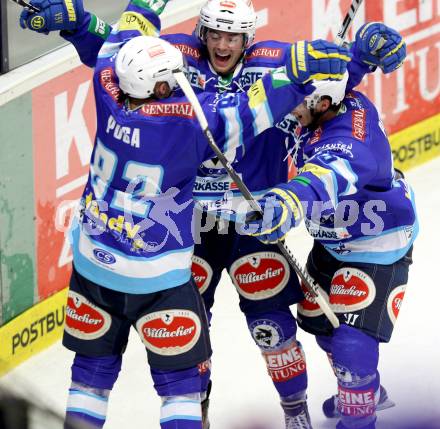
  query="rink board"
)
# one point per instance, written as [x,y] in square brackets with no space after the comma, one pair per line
[32,331]
[47,124]
[416,144]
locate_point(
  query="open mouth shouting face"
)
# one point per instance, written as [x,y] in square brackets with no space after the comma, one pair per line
[224,49]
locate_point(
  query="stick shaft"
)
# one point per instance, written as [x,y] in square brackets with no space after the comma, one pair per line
[348,20]
[26,5]
[312,287]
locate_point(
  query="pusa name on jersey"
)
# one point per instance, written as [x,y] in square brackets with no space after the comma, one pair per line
[127,135]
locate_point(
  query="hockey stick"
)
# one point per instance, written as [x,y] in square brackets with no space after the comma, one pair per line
[346,23]
[312,286]
[26,5]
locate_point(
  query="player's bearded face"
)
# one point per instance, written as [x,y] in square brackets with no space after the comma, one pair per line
[303,114]
[224,50]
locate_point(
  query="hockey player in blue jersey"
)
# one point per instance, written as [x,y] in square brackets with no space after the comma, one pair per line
[133,243]
[363,221]
[221,57]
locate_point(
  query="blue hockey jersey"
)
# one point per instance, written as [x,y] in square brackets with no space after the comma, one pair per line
[352,203]
[134,232]
[261,167]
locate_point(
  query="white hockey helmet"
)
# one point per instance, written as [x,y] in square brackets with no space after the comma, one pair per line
[143,61]
[232,16]
[335,89]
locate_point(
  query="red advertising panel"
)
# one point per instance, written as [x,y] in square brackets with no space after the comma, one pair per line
[404,97]
[63,128]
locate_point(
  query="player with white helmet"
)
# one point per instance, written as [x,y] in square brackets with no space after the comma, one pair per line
[308,113]
[232,17]
[226,28]
[133,241]
[222,56]
[138,72]
[334,90]
[363,221]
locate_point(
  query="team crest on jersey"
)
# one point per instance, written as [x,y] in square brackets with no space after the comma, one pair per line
[85,320]
[358,123]
[260,275]
[266,333]
[286,363]
[308,306]
[169,332]
[201,272]
[351,290]
[394,302]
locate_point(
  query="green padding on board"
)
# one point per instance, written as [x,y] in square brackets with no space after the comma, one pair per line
[17,236]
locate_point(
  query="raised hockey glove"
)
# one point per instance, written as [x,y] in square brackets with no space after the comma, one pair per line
[378,45]
[282,211]
[316,60]
[53,15]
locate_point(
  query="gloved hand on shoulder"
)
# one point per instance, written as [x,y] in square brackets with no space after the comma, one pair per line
[282,211]
[53,15]
[316,60]
[379,45]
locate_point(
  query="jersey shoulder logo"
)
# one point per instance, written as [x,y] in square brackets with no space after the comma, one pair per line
[182,110]
[108,82]
[358,123]
[264,52]
[188,50]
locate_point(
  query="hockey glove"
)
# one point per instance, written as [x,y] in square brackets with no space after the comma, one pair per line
[53,15]
[378,45]
[316,60]
[282,211]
